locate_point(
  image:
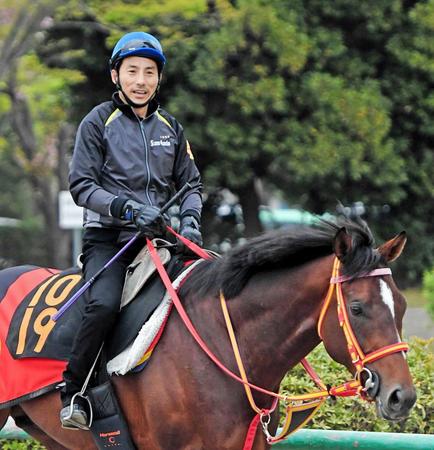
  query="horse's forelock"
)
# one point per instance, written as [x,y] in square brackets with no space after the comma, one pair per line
[363,257]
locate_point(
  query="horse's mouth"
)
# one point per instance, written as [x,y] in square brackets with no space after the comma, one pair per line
[386,413]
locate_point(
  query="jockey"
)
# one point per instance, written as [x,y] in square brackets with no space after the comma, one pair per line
[130,157]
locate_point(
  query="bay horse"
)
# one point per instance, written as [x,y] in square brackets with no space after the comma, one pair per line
[275,286]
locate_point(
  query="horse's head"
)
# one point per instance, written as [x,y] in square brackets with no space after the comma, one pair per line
[373,307]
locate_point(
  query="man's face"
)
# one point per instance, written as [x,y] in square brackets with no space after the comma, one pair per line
[138,78]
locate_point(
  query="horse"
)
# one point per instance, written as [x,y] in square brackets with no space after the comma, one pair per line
[274,285]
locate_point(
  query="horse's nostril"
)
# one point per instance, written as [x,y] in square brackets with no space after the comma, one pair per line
[395,398]
[400,398]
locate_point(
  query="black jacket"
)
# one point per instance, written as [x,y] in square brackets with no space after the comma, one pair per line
[117,155]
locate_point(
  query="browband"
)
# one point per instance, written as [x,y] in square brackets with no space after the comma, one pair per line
[373,273]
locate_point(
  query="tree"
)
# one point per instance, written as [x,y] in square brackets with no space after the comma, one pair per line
[320,101]
[38,122]
[385,45]
[323,101]
[233,93]
[408,80]
[264,104]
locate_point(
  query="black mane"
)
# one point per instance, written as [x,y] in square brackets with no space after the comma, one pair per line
[282,248]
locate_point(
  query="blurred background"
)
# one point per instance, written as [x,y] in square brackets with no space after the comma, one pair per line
[294,109]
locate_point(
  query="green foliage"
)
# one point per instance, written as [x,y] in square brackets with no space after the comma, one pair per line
[428,290]
[322,101]
[355,414]
[13,186]
[124,16]
[48,94]
[20,445]
[237,74]
[415,47]
[5,103]
[344,139]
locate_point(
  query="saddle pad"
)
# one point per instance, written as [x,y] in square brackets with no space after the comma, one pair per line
[31,331]
[15,383]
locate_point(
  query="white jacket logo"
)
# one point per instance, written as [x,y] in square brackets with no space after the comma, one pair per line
[160,143]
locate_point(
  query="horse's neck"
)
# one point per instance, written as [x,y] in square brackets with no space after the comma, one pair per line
[276,318]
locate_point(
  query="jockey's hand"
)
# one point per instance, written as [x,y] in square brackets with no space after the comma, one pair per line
[190,229]
[146,218]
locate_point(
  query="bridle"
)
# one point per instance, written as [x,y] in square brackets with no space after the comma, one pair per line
[306,404]
[358,357]
[309,403]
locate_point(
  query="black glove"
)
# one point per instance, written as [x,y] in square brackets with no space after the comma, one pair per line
[146,218]
[190,229]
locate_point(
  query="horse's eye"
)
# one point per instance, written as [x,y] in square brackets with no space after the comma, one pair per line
[356,309]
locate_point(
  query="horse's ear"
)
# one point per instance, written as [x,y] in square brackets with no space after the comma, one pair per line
[342,243]
[391,250]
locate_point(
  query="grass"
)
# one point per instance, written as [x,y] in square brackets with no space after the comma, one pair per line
[415,298]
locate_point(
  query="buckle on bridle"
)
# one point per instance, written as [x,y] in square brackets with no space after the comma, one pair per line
[265,419]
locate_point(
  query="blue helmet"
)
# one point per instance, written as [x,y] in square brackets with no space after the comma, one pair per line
[138,43]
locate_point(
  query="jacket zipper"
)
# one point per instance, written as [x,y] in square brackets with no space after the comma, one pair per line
[148,169]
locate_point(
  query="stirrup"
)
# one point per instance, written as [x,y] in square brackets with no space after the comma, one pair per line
[79,422]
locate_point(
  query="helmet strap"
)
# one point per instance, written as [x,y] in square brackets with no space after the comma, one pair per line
[129,101]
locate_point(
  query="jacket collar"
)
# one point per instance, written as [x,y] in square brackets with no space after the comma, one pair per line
[128,110]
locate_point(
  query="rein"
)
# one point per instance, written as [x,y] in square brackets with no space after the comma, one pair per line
[307,404]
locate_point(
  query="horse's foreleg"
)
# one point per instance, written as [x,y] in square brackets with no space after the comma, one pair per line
[44,413]
[4,414]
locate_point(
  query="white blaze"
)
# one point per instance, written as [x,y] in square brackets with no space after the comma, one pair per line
[387,297]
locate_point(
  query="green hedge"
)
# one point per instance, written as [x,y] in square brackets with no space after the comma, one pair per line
[358,415]
[20,445]
[428,290]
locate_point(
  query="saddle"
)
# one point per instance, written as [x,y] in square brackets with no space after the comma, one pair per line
[144,286]
[141,269]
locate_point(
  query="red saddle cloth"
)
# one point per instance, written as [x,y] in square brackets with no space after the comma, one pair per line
[33,348]
[23,377]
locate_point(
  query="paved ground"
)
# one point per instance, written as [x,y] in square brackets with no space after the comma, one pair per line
[418,323]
